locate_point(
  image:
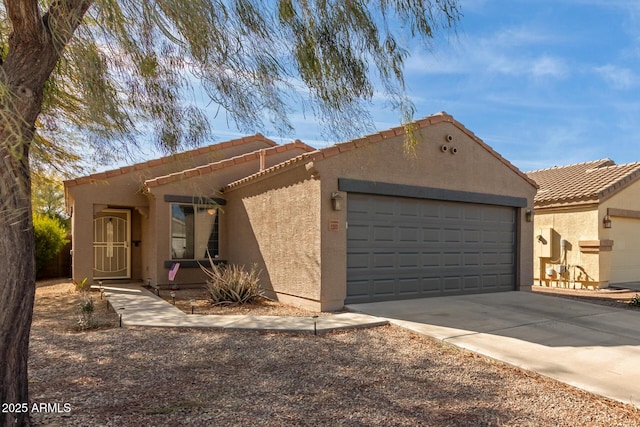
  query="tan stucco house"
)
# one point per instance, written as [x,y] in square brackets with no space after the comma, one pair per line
[587,224]
[359,221]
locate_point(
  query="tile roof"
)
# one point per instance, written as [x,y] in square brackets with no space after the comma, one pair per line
[168,159]
[582,183]
[336,149]
[212,167]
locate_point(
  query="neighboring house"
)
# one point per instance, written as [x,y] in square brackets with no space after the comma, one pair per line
[364,220]
[587,224]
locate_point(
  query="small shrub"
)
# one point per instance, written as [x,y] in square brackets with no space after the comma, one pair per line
[635,301]
[232,284]
[50,237]
[87,307]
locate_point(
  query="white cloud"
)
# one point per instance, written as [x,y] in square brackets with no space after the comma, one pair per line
[617,77]
[546,66]
[508,52]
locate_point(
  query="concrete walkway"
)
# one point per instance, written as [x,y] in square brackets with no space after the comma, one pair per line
[143,308]
[592,347]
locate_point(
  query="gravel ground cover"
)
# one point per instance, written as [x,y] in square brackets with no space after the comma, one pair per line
[383,376]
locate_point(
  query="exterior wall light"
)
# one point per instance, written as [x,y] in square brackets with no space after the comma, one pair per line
[606,221]
[528,215]
[336,201]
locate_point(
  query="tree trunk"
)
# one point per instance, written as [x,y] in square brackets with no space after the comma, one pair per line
[17,254]
[34,48]
[17,286]
[24,73]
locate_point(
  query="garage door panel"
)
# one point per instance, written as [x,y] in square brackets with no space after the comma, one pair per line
[359,233]
[408,209]
[408,234]
[472,283]
[506,280]
[452,236]
[408,260]
[358,206]
[452,259]
[430,259]
[383,261]
[452,283]
[473,214]
[490,258]
[384,287]
[409,286]
[431,235]
[470,236]
[358,261]
[430,211]
[358,289]
[405,248]
[383,233]
[506,258]
[452,211]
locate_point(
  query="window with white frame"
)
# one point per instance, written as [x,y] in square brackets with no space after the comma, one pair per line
[194,231]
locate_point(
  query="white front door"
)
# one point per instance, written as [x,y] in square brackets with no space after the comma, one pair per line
[111,243]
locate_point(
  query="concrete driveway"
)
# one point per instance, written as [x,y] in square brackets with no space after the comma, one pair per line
[593,347]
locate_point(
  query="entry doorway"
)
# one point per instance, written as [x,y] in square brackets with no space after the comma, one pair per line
[111,244]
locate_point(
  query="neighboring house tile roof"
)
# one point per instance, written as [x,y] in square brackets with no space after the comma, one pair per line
[216,166]
[336,149]
[168,159]
[582,183]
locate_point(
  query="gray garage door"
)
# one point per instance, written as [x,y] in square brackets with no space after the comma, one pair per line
[399,248]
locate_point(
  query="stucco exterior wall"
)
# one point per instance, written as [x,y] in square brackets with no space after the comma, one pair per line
[471,169]
[584,265]
[275,224]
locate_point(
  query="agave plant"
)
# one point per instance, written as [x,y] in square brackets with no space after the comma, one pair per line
[232,284]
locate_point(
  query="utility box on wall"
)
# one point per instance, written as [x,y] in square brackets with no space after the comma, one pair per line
[548,241]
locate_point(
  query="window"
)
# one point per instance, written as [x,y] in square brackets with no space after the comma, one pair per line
[194,230]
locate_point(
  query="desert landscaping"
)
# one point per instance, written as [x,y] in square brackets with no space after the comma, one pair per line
[381,376]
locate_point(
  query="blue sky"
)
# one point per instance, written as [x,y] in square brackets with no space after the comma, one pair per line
[543,82]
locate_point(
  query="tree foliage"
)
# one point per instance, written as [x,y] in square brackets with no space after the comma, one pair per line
[50,237]
[47,198]
[129,65]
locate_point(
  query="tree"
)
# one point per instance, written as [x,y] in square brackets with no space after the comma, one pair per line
[102,69]
[47,198]
[50,237]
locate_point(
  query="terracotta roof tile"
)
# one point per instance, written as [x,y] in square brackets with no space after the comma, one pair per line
[588,182]
[167,159]
[211,167]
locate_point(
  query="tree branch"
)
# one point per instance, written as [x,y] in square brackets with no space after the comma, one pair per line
[62,19]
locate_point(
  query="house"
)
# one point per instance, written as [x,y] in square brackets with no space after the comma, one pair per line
[587,224]
[364,220]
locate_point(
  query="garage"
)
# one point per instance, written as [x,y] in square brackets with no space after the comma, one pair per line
[625,253]
[407,247]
